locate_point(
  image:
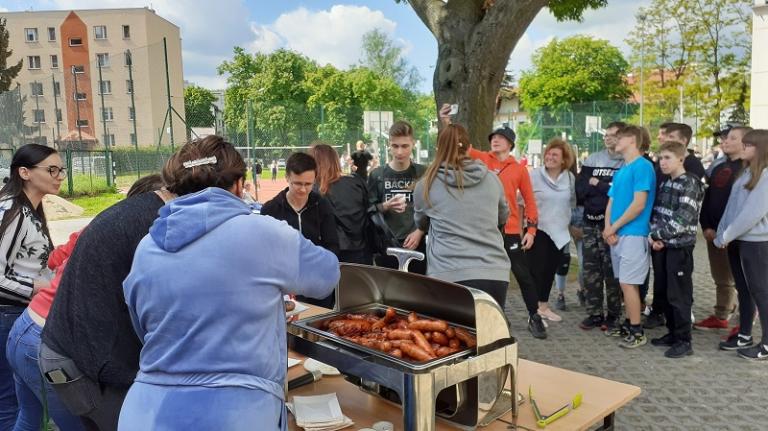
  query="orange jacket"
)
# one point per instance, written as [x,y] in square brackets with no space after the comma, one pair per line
[514,178]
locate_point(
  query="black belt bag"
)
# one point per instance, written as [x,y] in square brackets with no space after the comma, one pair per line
[76,391]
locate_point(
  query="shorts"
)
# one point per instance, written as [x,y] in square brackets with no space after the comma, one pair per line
[631,259]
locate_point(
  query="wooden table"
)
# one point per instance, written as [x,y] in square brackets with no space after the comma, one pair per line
[553,388]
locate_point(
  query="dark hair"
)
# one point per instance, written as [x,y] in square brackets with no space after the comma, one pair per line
[401,129]
[26,156]
[328,167]
[632,132]
[743,129]
[675,147]
[360,159]
[298,163]
[685,131]
[224,173]
[645,145]
[148,183]
[616,124]
[665,126]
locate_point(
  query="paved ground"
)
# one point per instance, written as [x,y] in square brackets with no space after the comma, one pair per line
[711,390]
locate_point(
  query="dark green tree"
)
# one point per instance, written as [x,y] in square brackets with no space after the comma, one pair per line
[198,106]
[7,73]
[382,55]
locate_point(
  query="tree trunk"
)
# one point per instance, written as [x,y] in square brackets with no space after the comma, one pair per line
[474,40]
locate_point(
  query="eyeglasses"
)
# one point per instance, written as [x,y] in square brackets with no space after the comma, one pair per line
[55,171]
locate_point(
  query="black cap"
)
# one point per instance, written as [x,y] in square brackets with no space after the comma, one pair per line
[724,132]
[505,132]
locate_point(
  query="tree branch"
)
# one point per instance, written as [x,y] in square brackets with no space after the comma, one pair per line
[430,12]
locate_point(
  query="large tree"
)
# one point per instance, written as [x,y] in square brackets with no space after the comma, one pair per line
[573,70]
[474,40]
[7,73]
[198,106]
[381,54]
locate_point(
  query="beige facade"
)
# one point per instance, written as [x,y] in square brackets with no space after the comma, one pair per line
[62,50]
[759,111]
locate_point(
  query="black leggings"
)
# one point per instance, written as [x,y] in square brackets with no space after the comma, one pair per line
[496,288]
[519,265]
[750,272]
[543,260]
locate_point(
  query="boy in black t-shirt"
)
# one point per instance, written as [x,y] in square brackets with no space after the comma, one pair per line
[390,188]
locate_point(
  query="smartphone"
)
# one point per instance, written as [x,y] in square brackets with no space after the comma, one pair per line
[454,109]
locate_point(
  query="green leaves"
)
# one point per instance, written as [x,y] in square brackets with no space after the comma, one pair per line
[198,106]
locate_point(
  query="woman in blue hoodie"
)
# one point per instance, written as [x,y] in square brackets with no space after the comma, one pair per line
[210,317]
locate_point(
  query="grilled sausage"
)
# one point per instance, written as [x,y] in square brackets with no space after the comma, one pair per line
[349,327]
[428,325]
[412,317]
[439,338]
[415,352]
[466,338]
[428,336]
[396,353]
[445,351]
[399,334]
[419,339]
[454,343]
[450,332]
[388,315]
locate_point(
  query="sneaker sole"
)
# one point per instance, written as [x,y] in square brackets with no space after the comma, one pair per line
[587,328]
[688,353]
[749,358]
[731,349]
[633,346]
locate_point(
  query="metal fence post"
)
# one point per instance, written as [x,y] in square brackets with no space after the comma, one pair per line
[70,180]
[107,166]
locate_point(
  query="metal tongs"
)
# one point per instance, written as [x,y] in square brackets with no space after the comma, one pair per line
[404,256]
[543,420]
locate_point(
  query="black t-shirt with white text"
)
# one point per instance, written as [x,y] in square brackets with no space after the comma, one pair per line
[384,183]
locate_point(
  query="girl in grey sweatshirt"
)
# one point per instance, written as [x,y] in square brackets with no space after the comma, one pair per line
[744,231]
[461,205]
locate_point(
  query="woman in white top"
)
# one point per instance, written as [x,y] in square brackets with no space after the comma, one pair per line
[553,188]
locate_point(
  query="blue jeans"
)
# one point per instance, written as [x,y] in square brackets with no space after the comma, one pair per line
[22,351]
[8,405]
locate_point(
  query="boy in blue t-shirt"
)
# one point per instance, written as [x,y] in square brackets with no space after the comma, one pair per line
[627,224]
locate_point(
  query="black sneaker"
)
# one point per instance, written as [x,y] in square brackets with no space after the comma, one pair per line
[654,321]
[755,353]
[621,330]
[679,350]
[610,322]
[736,342]
[633,341]
[536,327]
[591,322]
[666,341]
[560,303]
[582,297]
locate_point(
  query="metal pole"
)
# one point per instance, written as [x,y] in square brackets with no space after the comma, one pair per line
[37,108]
[129,58]
[77,110]
[168,88]
[107,161]
[56,110]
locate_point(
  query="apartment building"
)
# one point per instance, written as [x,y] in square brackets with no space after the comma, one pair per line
[97,76]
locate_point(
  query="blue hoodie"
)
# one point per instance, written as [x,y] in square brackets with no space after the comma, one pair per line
[207,307]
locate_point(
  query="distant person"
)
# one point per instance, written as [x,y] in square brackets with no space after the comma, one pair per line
[360,162]
[462,207]
[274,171]
[390,191]
[743,230]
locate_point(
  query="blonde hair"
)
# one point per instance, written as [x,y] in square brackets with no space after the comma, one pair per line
[568,157]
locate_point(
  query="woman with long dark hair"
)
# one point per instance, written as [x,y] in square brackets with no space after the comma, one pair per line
[348,195]
[462,207]
[25,243]
[744,231]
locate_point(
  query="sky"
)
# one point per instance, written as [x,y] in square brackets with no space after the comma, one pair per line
[330,31]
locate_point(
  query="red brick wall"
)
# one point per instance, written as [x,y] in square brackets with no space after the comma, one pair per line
[73,26]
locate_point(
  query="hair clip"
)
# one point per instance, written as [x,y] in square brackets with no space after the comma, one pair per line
[199,162]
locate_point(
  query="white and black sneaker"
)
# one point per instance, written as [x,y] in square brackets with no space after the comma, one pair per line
[736,342]
[755,353]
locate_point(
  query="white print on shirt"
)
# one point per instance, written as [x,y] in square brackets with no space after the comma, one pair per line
[603,172]
[395,187]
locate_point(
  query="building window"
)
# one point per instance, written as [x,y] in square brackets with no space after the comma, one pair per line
[39,115]
[81,96]
[133,139]
[129,86]
[33,62]
[110,138]
[126,32]
[107,114]
[36,89]
[56,88]
[75,41]
[131,113]
[30,34]
[52,34]
[100,31]
[82,123]
[103,59]
[78,69]
[54,61]
[105,87]
[128,60]
[58,116]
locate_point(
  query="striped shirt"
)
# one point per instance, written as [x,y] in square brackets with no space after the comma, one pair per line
[24,250]
[676,211]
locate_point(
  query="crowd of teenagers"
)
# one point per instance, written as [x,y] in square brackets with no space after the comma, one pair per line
[155,316]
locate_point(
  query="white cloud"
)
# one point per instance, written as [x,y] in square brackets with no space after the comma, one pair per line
[212,82]
[328,36]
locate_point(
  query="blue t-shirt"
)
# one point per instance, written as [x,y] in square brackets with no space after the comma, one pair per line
[637,176]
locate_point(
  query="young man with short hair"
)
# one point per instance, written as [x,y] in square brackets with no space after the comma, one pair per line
[672,238]
[592,185]
[723,173]
[627,219]
[390,188]
[683,133]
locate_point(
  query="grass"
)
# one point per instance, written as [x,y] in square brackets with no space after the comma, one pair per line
[95,204]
